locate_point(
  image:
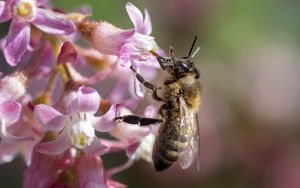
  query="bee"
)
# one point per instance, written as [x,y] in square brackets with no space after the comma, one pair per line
[178,134]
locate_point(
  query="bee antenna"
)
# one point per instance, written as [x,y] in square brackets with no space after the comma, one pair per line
[190,52]
[195,52]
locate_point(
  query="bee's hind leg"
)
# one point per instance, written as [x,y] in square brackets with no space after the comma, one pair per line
[146,84]
[141,121]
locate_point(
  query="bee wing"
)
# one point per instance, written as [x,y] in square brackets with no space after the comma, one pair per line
[189,132]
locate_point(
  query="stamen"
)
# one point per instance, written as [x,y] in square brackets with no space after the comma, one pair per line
[81,131]
[25,10]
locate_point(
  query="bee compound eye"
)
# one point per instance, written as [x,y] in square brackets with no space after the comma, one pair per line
[162,59]
[184,66]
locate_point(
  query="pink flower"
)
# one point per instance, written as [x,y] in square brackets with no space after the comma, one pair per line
[45,169]
[58,139]
[103,65]
[20,137]
[67,53]
[138,140]
[131,45]
[76,126]
[61,170]
[22,13]
[90,172]
[10,113]
[13,86]
[17,132]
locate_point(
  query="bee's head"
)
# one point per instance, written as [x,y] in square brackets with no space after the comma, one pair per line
[179,67]
[185,66]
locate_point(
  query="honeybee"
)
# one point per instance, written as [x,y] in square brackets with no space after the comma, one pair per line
[178,134]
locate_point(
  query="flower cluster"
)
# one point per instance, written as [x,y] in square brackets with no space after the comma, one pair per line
[56,106]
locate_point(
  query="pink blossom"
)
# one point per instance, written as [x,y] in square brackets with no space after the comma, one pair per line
[10,113]
[13,86]
[138,140]
[20,137]
[106,68]
[18,134]
[22,13]
[131,45]
[76,125]
[67,53]
[90,172]
[44,169]
[60,170]
[50,112]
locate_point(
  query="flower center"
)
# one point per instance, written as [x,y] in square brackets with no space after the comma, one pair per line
[25,10]
[81,131]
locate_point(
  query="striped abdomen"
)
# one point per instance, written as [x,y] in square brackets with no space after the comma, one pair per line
[168,147]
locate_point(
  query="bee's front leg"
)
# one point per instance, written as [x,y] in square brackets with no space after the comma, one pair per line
[141,121]
[146,84]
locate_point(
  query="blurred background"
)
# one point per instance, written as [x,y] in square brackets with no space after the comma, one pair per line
[250,72]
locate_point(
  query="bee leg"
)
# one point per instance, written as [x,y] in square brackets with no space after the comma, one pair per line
[171,52]
[141,121]
[164,62]
[147,84]
[161,109]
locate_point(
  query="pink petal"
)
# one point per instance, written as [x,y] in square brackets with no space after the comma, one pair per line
[69,102]
[135,15]
[49,118]
[96,148]
[147,26]
[113,146]
[17,42]
[67,53]
[42,2]
[88,100]
[7,152]
[2,7]
[130,133]
[42,171]
[114,184]
[5,13]
[106,123]
[53,23]
[10,111]
[107,38]
[55,147]
[46,63]
[117,92]
[27,153]
[118,169]
[9,138]
[131,103]
[141,26]
[90,172]
[124,56]
[150,111]
[131,149]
